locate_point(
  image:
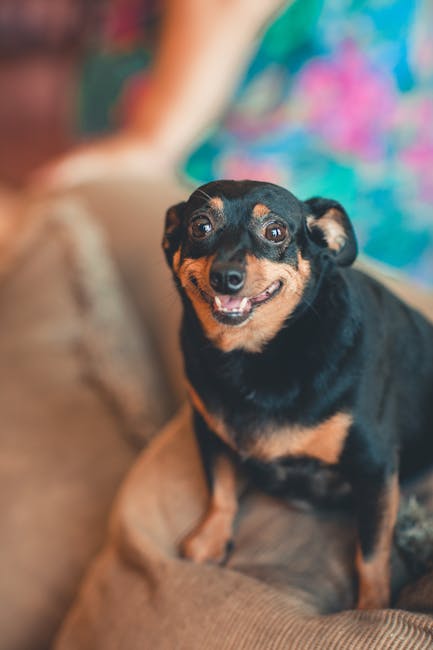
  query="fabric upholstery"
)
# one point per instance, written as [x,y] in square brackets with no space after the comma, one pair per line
[79,396]
[291,570]
[131,213]
[89,370]
[289,575]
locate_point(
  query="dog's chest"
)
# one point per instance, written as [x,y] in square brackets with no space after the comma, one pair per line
[323,441]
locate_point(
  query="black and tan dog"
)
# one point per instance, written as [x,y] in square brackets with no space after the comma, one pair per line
[295,359]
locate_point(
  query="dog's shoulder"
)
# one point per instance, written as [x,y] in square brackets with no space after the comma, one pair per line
[382,306]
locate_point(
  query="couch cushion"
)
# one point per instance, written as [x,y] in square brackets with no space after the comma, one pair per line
[290,573]
[132,213]
[79,395]
[291,570]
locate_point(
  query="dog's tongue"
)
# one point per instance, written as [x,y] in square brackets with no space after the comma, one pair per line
[232,303]
[243,304]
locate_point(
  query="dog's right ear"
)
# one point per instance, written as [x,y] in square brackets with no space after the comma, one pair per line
[329,226]
[171,239]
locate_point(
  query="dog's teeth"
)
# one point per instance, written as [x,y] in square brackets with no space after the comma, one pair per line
[218,302]
[243,304]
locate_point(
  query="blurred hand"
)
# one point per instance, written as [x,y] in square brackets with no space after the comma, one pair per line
[195,72]
[123,155]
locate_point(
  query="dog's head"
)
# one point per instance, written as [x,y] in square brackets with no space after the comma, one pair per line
[244,253]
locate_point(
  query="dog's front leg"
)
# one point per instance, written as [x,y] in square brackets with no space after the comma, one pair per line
[210,540]
[376,494]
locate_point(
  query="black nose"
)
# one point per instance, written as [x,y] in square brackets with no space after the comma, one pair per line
[227,277]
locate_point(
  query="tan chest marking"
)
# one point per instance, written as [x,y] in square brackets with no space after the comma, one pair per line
[323,442]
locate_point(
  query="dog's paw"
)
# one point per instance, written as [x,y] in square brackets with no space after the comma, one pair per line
[210,542]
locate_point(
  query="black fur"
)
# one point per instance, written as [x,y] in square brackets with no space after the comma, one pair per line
[350,345]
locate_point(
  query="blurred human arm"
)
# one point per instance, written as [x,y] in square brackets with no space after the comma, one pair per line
[204,47]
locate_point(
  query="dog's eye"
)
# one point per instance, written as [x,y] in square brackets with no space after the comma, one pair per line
[201,227]
[275,232]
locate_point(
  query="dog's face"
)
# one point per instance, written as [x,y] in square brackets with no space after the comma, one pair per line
[244,253]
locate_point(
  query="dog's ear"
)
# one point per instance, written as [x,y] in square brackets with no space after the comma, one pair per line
[171,239]
[329,227]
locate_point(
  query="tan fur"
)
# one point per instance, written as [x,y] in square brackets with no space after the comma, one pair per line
[324,442]
[208,541]
[199,268]
[331,226]
[216,203]
[374,573]
[176,261]
[214,423]
[267,319]
[260,210]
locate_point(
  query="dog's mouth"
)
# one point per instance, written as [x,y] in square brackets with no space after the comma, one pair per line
[235,310]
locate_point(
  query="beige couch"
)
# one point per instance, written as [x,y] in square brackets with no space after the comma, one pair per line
[290,573]
[82,388]
[90,369]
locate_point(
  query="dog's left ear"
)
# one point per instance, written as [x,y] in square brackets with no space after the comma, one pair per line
[330,227]
[171,238]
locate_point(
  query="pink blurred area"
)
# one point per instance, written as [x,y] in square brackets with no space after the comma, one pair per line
[357,104]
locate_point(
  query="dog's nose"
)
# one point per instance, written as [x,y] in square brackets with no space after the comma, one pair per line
[227,277]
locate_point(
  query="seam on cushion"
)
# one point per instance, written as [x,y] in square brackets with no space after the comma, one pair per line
[117,359]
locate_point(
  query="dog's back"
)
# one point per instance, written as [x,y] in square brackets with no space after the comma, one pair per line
[400,353]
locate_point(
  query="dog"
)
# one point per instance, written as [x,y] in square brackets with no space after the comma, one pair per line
[293,358]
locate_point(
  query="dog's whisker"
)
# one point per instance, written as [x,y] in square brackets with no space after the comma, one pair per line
[309,304]
[207,196]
